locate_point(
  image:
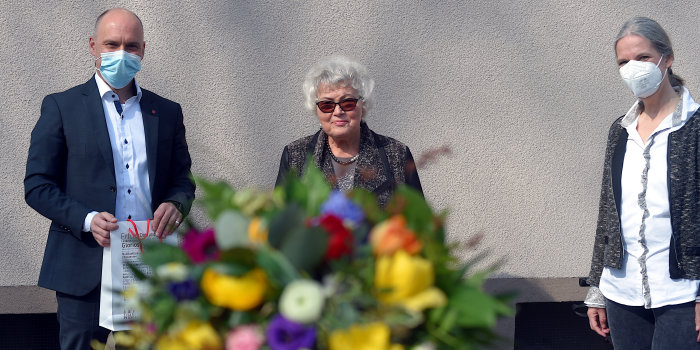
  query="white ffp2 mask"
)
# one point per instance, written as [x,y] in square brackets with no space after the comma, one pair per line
[643,78]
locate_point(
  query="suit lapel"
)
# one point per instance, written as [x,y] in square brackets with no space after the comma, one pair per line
[149,113]
[97,124]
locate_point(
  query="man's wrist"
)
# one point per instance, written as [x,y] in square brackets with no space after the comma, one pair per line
[88,221]
[177,205]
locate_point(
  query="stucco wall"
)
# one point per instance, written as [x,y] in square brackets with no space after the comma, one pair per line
[523,93]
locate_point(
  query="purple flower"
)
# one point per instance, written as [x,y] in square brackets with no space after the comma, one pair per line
[186,290]
[200,246]
[341,206]
[283,334]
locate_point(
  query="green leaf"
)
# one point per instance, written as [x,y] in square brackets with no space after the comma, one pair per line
[476,308]
[238,318]
[304,247]
[314,188]
[277,267]
[231,230]
[409,202]
[163,312]
[137,273]
[281,225]
[157,253]
[240,255]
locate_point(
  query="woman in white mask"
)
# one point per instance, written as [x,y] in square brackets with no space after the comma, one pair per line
[645,270]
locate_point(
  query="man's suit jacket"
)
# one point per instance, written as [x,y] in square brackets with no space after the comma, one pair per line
[70,172]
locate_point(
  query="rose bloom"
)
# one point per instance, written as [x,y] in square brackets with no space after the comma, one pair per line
[245,337]
[391,235]
[340,239]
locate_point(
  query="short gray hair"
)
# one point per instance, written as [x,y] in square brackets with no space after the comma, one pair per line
[338,72]
[650,29]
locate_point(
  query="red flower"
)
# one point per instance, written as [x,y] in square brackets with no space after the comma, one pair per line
[340,239]
[200,246]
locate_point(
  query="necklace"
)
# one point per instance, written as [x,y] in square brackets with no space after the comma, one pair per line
[342,162]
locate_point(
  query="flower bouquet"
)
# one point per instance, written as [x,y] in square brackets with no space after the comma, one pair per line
[306,267]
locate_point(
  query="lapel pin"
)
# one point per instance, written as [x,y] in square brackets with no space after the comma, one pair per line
[153,111]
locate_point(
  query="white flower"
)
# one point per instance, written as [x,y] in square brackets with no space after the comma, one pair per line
[424,346]
[302,301]
[174,271]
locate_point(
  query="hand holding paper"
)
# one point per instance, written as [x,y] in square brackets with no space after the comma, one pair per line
[126,249]
[165,219]
[100,226]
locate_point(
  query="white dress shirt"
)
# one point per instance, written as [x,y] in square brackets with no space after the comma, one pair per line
[645,218]
[128,140]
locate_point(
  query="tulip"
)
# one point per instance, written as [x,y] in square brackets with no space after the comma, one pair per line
[237,293]
[373,336]
[200,336]
[407,280]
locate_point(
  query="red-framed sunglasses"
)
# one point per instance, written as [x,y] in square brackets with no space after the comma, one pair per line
[347,105]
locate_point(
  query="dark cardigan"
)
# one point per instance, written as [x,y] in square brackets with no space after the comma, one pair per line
[383,163]
[684,202]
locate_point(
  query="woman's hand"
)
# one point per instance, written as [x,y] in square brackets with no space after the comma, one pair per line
[598,320]
[697,320]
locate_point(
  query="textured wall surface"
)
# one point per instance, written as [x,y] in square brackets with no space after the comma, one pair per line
[523,92]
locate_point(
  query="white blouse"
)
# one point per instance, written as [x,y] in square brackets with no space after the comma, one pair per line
[645,218]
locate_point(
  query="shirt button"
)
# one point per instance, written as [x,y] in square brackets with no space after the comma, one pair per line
[129,191]
[127,166]
[129,217]
[125,141]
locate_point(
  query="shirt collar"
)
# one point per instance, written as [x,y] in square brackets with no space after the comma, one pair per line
[106,91]
[686,107]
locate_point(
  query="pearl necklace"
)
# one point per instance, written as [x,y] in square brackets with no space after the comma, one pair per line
[342,162]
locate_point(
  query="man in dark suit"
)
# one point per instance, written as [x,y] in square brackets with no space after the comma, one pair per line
[100,152]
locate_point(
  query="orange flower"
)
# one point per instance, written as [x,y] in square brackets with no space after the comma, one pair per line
[392,235]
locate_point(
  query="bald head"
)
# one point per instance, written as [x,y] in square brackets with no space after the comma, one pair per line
[117,29]
[120,13]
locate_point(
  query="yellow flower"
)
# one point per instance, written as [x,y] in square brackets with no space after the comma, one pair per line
[407,281]
[257,232]
[200,336]
[237,293]
[167,342]
[391,235]
[373,336]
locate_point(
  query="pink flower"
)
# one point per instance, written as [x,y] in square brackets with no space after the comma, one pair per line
[200,246]
[245,337]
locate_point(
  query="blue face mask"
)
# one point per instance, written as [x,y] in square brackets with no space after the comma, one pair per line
[119,67]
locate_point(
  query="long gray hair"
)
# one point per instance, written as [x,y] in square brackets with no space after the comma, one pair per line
[650,29]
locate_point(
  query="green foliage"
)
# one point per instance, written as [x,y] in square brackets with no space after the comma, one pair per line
[156,254]
[278,232]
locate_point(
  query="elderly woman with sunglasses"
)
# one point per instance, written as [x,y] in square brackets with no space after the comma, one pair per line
[338,91]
